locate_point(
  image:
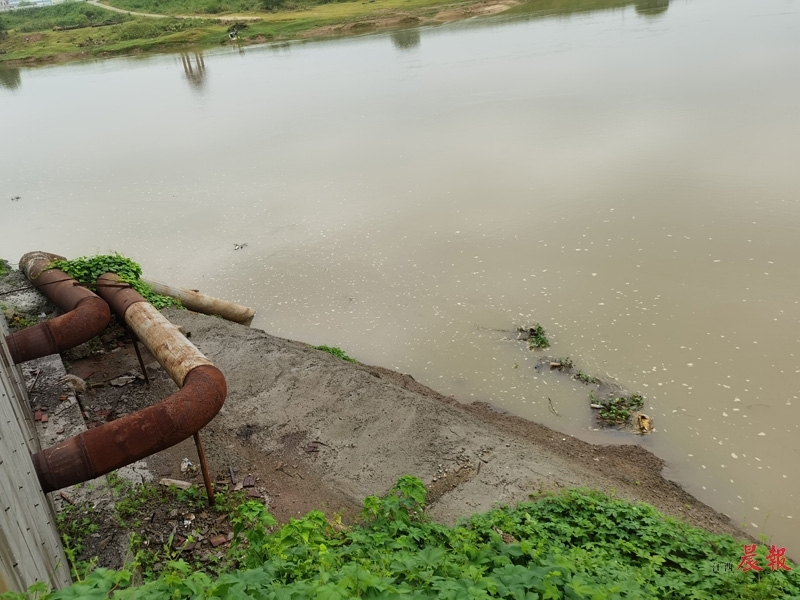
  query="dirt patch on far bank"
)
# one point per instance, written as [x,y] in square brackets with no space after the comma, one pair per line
[317,432]
[485,8]
[424,16]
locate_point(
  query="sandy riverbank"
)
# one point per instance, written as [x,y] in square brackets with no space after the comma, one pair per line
[319,432]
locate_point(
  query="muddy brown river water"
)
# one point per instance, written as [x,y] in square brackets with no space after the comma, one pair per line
[626,177]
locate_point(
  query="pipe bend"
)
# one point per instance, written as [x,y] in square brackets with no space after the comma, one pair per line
[86,314]
[103,449]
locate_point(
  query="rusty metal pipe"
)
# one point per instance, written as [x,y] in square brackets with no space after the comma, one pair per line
[138,435]
[202,303]
[121,442]
[201,454]
[86,314]
[171,348]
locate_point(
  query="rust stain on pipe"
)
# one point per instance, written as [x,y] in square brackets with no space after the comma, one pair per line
[103,449]
[86,314]
[173,351]
[205,304]
[113,445]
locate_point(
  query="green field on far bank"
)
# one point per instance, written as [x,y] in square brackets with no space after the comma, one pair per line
[77,30]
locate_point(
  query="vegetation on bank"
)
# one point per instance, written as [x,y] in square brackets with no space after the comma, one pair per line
[86,270]
[577,544]
[74,29]
[336,351]
[78,29]
[79,38]
[68,15]
[208,7]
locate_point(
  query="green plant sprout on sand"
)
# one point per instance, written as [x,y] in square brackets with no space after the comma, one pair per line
[336,351]
[86,270]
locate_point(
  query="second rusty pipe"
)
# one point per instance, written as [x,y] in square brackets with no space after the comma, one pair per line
[86,314]
[121,442]
[138,435]
[172,350]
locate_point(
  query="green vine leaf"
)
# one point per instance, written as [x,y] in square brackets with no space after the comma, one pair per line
[86,270]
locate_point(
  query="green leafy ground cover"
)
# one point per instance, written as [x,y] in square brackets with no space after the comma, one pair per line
[578,544]
[337,352]
[86,270]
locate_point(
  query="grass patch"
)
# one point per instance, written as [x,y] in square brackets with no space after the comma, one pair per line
[131,35]
[190,7]
[577,544]
[336,351]
[76,523]
[68,15]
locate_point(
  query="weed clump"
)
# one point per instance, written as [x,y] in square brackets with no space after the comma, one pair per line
[336,351]
[535,336]
[17,320]
[562,364]
[617,410]
[585,378]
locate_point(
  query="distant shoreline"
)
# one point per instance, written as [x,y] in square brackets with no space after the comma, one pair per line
[54,45]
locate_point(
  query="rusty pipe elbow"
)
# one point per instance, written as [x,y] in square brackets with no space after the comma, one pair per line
[103,449]
[86,315]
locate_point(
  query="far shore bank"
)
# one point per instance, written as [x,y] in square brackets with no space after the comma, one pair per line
[118,32]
